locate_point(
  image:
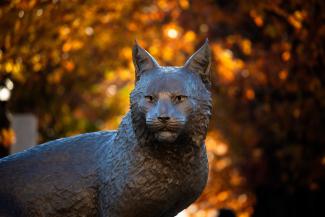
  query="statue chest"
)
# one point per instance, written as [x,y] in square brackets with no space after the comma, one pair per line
[155,182]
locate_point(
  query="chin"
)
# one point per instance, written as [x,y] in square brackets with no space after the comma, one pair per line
[166,136]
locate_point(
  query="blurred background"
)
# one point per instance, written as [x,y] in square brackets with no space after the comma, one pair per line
[66,69]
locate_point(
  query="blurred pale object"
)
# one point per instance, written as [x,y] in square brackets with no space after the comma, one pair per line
[4,94]
[25,127]
[89,31]
[111,90]
[182,214]
[9,84]
[172,33]
[242,198]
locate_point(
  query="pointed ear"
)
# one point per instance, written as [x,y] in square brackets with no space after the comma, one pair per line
[142,60]
[200,63]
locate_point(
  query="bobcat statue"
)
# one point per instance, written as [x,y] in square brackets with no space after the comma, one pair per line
[154,165]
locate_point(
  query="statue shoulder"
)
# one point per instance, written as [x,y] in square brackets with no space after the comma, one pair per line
[64,145]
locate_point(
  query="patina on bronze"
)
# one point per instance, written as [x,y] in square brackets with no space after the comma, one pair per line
[154,165]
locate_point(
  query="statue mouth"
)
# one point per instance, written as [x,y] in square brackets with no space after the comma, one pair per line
[166,136]
[165,132]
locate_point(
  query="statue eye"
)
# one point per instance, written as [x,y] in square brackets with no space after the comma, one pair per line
[180,98]
[149,99]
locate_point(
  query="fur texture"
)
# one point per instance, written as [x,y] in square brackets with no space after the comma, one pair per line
[154,165]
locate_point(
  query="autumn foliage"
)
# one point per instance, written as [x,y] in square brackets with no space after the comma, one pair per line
[71,65]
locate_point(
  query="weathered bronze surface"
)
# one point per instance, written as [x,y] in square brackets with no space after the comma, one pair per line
[154,165]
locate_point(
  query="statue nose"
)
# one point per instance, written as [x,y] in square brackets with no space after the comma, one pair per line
[163,119]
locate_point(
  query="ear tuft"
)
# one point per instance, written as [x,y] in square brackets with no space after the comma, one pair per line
[142,60]
[200,63]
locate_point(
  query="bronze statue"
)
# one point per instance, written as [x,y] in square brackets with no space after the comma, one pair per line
[154,165]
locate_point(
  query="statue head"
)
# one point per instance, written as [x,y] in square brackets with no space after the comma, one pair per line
[172,103]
